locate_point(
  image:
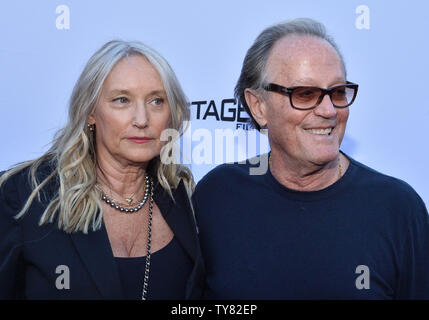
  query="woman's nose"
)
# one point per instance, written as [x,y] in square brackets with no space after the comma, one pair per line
[141,119]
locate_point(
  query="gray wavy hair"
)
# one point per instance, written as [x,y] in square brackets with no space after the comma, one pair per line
[253,74]
[77,203]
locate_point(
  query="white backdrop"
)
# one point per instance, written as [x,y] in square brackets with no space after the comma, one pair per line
[45,45]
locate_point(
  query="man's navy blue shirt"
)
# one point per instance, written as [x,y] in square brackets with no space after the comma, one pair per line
[364,237]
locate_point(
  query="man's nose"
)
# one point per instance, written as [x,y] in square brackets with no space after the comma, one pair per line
[326,109]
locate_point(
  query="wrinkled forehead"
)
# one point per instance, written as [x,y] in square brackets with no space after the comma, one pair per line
[294,51]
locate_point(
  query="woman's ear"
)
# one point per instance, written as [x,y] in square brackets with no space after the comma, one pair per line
[91,119]
[257,106]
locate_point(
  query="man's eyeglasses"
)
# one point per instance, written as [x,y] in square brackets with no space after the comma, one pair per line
[305,98]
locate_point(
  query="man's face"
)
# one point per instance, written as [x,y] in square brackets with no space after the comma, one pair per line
[304,61]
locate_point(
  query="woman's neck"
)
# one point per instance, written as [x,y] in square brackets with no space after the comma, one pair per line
[121,179]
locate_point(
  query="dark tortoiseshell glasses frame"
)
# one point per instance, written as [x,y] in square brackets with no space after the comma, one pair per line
[349,89]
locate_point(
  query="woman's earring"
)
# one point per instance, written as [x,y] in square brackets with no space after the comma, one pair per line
[91,127]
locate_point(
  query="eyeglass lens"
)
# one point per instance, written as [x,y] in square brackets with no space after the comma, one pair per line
[308,97]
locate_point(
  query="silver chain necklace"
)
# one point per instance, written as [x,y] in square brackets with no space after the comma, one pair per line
[149,238]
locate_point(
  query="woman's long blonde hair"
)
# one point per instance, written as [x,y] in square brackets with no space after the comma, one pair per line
[77,204]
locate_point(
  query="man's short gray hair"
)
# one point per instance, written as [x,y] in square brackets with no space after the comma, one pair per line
[253,70]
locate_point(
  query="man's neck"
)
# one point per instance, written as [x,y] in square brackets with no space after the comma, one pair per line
[307,176]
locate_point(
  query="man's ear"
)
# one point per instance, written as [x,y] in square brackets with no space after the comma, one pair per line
[257,106]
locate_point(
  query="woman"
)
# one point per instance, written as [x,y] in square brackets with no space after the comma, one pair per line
[99,216]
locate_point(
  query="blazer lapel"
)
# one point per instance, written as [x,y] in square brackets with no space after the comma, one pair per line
[178,216]
[96,254]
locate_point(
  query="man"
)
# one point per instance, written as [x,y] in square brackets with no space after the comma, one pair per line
[317,224]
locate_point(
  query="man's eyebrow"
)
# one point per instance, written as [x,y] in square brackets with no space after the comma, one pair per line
[306,81]
[303,81]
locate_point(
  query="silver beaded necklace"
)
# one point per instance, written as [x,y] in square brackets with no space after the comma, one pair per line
[117,206]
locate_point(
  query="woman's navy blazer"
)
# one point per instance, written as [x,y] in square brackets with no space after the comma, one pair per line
[32,257]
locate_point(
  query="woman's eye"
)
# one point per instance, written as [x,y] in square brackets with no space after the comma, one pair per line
[121,100]
[157,101]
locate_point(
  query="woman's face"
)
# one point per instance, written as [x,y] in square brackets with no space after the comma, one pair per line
[131,113]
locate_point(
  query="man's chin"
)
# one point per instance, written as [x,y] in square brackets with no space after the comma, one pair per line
[323,157]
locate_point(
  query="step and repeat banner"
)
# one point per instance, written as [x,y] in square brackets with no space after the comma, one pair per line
[45,45]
